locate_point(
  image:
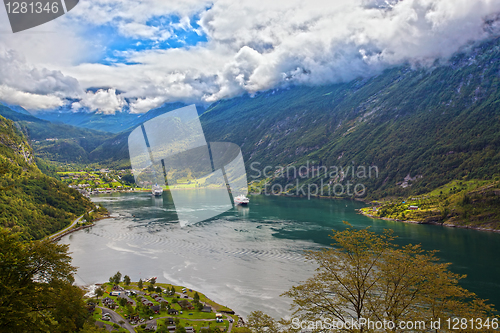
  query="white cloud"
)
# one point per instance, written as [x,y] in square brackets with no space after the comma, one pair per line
[33,87]
[137,30]
[16,73]
[141,105]
[27,100]
[252,45]
[105,101]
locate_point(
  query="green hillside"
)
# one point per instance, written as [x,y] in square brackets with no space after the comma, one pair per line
[428,125]
[473,203]
[30,201]
[57,142]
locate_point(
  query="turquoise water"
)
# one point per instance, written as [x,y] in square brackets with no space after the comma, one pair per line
[246,257]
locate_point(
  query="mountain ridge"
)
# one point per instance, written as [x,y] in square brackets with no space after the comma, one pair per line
[113,123]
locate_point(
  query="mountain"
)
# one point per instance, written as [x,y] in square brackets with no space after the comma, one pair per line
[57,142]
[415,128]
[114,123]
[16,108]
[10,113]
[30,201]
[421,127]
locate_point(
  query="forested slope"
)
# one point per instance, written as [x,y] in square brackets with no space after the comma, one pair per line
[30,201]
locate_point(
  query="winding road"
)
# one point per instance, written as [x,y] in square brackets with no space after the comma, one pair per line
[116,318]
[57,234]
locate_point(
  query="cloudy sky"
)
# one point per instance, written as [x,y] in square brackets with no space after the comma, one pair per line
[106,55]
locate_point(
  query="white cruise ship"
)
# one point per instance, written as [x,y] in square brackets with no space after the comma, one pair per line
[241,200]
[156,190]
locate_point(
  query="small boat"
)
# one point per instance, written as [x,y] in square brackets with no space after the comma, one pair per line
[156,190]
[241,200]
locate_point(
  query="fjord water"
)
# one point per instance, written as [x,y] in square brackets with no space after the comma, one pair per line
[246,257]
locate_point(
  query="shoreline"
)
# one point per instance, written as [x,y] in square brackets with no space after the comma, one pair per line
[72,230]
[358,210]
[367,202]
[430,223]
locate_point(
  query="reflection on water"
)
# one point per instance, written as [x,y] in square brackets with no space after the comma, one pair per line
[246,257]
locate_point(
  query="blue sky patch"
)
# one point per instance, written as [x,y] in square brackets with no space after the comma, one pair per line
[115,46]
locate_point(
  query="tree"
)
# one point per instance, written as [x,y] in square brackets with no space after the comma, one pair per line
[172,290]
[196,297]
[126,280]
[139,284]
[199,306]
[122,301]
[367,276]
[129,309]
[180,329]
[115,279]
[99,292]
[259,322]
[151,288]
[36,293]
[92,328]
[163,306]
[158,289]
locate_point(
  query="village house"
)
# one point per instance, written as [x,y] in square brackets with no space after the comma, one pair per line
[129,300]
[110,303]
[147,302]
